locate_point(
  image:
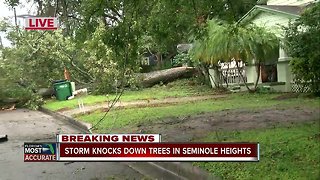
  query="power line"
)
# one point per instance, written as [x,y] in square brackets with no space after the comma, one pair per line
[115,100]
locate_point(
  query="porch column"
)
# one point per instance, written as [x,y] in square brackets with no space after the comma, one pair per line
[251,73]
[284,70]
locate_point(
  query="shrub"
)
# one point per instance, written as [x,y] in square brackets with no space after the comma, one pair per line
[302,39]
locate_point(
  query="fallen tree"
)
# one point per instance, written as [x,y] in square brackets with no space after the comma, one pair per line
[165,76]
[146,79]
[45,92]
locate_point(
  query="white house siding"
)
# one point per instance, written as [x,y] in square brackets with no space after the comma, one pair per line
[271,21]
[289,2]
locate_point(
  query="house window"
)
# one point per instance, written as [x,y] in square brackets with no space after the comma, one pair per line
[269,73]
[269,67]
[145,61]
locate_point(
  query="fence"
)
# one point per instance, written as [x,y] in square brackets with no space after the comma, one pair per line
[300,88]
[231,76]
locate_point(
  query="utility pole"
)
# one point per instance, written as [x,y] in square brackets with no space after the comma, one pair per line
[15,17]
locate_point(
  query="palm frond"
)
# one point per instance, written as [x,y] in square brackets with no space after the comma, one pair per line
[233,41]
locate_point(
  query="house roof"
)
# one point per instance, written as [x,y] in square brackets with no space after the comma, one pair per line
[291,11]
[262,2]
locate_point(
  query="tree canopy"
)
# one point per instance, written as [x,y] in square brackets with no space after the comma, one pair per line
[227,42]
[302,39]
[102,41]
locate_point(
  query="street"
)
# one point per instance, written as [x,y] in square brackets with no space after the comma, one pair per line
[33,126]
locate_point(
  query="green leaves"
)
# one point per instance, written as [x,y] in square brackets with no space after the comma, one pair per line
[182,59]
[101,41]
[227,42]
[301,41]
[232,41]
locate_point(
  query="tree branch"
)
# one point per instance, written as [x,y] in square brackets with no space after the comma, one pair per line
[81,82]
[56,8]
[75,66]
[82,71]
[72,16]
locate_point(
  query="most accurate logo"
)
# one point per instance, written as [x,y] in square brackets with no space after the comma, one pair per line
[35,152]
[41,23]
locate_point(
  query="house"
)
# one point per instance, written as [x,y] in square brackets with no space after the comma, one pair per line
[274,15]
[148,59]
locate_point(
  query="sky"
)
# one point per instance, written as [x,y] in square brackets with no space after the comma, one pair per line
[5,11]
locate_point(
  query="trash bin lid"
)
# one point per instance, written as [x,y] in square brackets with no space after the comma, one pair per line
[58,81]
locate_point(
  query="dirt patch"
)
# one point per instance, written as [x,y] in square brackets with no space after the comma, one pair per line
[141,104]
[193,127]
[138,106]
[63,109]
[286,96]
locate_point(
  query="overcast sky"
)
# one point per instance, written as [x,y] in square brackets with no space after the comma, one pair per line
[5,11]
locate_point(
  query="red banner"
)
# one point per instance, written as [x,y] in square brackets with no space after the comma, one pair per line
[158,152]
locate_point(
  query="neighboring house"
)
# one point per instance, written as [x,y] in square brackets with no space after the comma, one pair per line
[148,59]
[273,15]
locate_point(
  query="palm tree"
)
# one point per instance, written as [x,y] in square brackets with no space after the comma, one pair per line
[235,42]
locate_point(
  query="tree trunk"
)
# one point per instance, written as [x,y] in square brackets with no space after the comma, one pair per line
[241,75]
[65,17]
[165,76]
[45,92]
[216,78]
[40,8]
[159,60]
[258,67]
[205,72]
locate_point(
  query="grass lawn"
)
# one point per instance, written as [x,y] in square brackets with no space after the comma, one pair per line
[285,153]
[135,116]
[179,88]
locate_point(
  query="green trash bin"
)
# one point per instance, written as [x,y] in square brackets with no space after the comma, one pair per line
[62,90]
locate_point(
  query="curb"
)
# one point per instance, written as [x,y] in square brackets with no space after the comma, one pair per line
[186,170]
[84,127]
[154,170]
[171,170]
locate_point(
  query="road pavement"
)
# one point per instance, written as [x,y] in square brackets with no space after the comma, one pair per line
[33,126]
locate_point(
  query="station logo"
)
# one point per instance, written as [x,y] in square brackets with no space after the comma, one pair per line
[40,152]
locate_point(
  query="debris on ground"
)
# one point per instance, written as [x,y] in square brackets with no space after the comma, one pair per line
[9,107]
[3,138]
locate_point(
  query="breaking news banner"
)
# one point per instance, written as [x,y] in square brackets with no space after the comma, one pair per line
[136,147]
[41,23]
[110,138]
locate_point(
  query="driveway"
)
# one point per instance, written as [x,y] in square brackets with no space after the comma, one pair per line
[28,126]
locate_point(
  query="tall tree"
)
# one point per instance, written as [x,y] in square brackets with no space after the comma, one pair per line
[302,39]
[226,42]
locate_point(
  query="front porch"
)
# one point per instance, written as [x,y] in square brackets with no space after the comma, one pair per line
[275,76]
